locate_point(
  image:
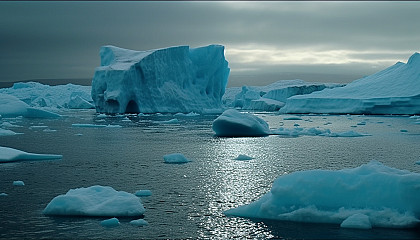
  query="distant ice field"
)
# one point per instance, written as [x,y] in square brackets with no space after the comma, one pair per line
[188,199]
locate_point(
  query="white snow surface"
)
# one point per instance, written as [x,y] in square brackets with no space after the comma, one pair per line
[389,197]
[14,155]
[271,97]
[395,90]
[11,106]
[168,80]
[51,97]
[232,123]
[95,201]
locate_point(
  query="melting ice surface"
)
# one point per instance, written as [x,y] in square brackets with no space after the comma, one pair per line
[379,195]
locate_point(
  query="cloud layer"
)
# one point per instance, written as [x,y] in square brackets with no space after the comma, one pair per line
[330,41]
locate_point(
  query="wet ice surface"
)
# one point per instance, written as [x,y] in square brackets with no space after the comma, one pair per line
[188,199]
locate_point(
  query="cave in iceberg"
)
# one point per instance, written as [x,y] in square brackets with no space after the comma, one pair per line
[167,80]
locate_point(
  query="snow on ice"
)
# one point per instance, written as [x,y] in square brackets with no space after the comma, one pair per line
[395,90]
[175,158]
[371,195]
[168,80]
[232,123]
[95,201]
[13,155]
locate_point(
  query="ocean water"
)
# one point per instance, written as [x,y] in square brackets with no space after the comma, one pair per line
[188,200]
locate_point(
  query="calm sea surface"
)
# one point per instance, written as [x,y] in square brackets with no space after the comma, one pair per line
[188,199]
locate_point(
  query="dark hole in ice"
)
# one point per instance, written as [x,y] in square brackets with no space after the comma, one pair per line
[132,107]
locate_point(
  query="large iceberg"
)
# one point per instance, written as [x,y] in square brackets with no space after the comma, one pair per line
[271,97]
[371,195]
[395,90]
[175,79]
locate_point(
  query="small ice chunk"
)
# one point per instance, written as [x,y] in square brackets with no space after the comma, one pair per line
[3,194]
[418,162]
[403,130]
[139,222]
[243,157]
[292,118]
[143,193]
[95,201]
[112,222]
[172,121]
[113,126]
[6,132]
[175,158]
[357,220]
[18,183]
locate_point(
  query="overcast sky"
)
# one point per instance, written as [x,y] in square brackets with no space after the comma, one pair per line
[265,41]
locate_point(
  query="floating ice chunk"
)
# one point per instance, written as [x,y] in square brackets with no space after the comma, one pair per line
[242,157]
[169,80]
[112,222]
[113,126]
[357,220]
[88,125]
[175,158]
[403,130]
[11,106]
[101,115]
[418,162]
[232,123]
[49,130]
[345,134]
[139,222]
[292,118]
[4,194]
[6,132]
[389,197]
[9,125]
[13,155]
[191,114]
[95,201]
[143,193]
[18,183]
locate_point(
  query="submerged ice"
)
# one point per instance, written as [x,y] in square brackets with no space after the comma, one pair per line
[175,79]
[371,195]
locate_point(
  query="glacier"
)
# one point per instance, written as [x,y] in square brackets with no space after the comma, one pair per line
[271,97]
[167,80]
[395,90]
[371,195]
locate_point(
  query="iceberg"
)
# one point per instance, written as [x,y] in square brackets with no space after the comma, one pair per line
[139,222]
[168,80]
[14,155]
[54,97]
[232,123]
[11,106]
[112,222]
[395,90]
[374,195]
[96,201]
[271,97]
